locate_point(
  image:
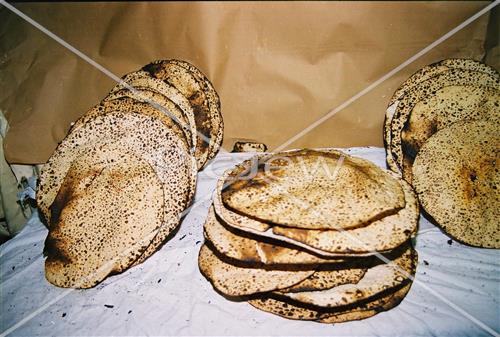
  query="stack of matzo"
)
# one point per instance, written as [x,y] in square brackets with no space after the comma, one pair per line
[116,187]
[442,132]
[311,235]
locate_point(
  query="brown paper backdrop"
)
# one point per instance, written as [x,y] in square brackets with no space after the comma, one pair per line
[277,66]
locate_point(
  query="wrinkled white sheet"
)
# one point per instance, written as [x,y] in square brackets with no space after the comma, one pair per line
[167,295]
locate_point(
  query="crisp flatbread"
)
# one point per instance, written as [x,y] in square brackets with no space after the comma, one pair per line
[124,103]
[436,68]
[453,77]
[166,105]
[228,216]
[358,311]
[97,127]
[418,77]
[327,277]
[143,79]
[447,106]
[213,100]
[400,268]
[249,146]
[206,112]
[381,235]
[246,225]
[240,246]
[111,205]
[456,175]
[370,309]
[233,280]
[315,190]
[389,114]
[160,147]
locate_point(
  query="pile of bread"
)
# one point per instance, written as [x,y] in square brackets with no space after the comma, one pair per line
[442,133]
[311,235]
[116,187]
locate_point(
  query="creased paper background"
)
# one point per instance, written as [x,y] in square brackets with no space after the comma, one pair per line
[277,66]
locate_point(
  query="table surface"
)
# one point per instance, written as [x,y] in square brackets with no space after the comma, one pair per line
[456,291]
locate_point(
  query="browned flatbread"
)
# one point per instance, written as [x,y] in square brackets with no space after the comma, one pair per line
[233,280]
[126,104]
[160,147]
[445,107]
[456,175]
[368,310]
[315,190]
[358,311]
[143,79]
[437,68]
[132,118]
[204,100]
[241,247]
[327,277]
[111,206]
[380,235]
[231,218]
[453,77]
[166,105]
[249,146]
[246,225]
[413,81]
[214,103]
[399,269]
[381,288]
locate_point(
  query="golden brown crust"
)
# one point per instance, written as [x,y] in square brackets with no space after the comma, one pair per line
[456,175]
[356,312]
[400,266]
[243,280]
[423,74]
[213,102]
[112,119]
[447,106]
[193,85]
[381,235]
[108,208]
[315,190]
[243,247]
[453,77]
[165,105]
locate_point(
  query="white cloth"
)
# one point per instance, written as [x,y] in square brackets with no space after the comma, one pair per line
[167,295]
